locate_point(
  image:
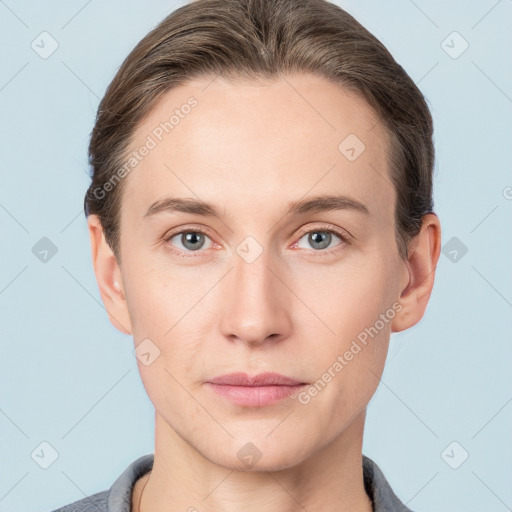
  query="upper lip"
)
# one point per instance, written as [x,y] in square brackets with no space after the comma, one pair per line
[263,379]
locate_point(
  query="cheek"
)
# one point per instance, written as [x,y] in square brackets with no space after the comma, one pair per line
[350,357]
[164,310]
[158,298]
[348,365]
[167,307]
[347,300]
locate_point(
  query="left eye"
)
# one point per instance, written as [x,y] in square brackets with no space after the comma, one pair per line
[320,239]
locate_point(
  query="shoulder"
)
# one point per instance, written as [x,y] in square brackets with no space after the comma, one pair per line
[379,489]
[95,503]
[118,498]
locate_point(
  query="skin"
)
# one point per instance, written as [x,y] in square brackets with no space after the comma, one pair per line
[250,149]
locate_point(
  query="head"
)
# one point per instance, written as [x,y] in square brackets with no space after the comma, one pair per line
[261,200]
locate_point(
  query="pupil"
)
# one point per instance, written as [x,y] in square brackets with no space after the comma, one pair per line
[192,239]
[320,237]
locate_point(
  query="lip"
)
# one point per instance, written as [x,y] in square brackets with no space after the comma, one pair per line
[256,391]
[262,379]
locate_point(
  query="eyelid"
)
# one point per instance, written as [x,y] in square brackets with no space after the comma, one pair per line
[189,228]
[342,233]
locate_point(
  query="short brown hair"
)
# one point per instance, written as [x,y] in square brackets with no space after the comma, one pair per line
[265,39]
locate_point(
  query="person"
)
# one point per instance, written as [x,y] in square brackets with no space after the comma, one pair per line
[261,221]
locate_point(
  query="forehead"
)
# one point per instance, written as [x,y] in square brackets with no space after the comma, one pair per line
[252,142]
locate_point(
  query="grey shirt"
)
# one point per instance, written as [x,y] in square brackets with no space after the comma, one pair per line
[118,498]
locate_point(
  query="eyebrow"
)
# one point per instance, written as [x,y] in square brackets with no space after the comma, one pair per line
[316,204]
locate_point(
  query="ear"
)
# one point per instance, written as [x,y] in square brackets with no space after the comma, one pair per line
[419,272]
[108,276]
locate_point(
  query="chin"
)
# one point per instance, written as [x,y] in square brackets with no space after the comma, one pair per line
[259,455]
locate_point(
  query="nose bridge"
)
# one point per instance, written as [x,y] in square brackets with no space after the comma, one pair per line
[254,278]
[256,298]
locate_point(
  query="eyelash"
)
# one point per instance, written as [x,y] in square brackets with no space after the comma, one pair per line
[344,236]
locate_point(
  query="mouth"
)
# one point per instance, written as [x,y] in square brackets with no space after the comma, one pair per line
[257,391]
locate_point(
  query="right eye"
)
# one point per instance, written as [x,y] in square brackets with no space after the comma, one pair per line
[188,240]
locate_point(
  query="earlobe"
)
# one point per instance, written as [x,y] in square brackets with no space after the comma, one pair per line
[108,277]
[419,273]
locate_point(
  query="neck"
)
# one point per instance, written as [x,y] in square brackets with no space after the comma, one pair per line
[183,479]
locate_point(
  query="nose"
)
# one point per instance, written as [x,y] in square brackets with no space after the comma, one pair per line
[257,302]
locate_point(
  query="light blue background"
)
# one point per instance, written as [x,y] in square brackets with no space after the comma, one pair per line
[69,378]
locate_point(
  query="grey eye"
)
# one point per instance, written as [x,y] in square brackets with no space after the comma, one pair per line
[189,240]
[319,239]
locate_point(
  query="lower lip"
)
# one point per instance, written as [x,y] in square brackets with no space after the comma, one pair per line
[255,396]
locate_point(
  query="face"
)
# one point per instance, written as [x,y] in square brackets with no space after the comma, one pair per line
[266,277]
